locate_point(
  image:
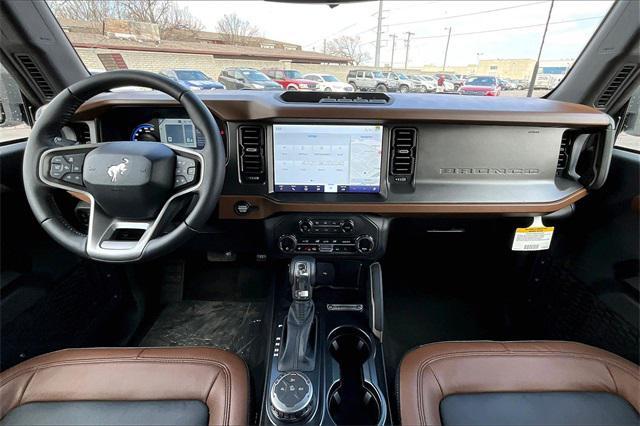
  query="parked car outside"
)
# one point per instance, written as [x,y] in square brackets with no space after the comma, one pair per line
[405,84]
[454,79]
[291,79]
[192,79]
[483,85]
[368,80]
[329,83]
[546,81]
[448,85]
[521,84]
[247,78]
[427,82]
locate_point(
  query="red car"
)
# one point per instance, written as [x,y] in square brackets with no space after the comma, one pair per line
[291,79]
[483,85]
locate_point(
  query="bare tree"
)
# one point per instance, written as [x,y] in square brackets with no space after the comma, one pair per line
[350,47]
[167,14]
[236,30]
[87,10]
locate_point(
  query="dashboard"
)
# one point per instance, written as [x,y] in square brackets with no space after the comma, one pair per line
[389,156]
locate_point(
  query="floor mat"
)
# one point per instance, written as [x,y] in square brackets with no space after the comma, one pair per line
[233,326]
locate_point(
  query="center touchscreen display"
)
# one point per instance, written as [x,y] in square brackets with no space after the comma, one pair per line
[327,158]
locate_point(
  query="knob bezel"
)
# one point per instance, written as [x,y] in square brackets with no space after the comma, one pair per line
[365,238]
[293,239]
[300,409]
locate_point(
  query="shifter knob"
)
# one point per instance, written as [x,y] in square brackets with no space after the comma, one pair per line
[302,275]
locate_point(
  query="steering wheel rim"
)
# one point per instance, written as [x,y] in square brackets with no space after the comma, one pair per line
[44,143]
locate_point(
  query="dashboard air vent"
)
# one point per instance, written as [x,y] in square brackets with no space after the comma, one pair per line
[621,77]
[251,144]
[403,154]
[82,131]
[36,75]
[563,155]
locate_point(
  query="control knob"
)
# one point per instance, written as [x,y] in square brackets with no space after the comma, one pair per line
[287,243]
[365,244]
[291,395]
[305,225]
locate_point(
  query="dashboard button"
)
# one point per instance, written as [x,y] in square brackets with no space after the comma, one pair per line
[365,244]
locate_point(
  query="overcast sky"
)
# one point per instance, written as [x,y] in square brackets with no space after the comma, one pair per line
[310,24]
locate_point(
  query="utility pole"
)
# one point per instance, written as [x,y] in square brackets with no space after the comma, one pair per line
[446,50]
[393,48]
[406,58]
[378,36]
[532,83]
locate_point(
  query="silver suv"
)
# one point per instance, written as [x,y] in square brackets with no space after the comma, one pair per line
[404,83]
[368,80]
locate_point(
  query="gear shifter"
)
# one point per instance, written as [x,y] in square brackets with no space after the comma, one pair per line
[299,349]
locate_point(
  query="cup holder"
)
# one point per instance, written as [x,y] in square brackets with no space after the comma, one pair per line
[351,400]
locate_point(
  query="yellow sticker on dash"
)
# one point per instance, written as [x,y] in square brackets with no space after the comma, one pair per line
[533,238]
[537,229]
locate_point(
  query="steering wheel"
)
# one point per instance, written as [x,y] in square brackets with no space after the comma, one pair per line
[135,189]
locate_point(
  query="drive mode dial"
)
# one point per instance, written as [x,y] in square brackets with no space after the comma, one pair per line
[291,396]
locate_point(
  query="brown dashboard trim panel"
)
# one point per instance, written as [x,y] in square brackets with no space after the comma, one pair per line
[264,207]
[242,106]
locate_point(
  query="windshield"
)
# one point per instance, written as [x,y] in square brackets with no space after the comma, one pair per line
[292,74]
[329,78]
[481,81]
[196,39]
[192,75]
[254,75]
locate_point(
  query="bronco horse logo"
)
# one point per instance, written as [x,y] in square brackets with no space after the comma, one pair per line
[117,169]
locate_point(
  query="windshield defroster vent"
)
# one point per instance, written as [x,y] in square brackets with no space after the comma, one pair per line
[620,79]
[403,154]
[251,144]
[36,76]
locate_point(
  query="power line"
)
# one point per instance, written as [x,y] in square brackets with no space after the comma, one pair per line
[507,28]
[465,14]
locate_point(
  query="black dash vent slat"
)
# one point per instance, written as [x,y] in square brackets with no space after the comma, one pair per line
[403,154]
[252,155]
[36,76]
[82,131]
[563,155]
[616,83]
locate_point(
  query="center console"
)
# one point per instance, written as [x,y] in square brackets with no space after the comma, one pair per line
[325,359]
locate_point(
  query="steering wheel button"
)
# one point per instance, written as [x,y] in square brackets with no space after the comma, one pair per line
[191,171]
[180,180]
[75,178]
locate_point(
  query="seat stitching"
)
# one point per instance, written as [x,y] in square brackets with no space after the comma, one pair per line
[199,361]
[537,354]
[612,378]
[26,386]
[213,382]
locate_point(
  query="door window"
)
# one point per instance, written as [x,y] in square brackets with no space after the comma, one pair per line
[13,126]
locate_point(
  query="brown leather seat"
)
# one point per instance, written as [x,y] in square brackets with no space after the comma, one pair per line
[431,373]
[214,379]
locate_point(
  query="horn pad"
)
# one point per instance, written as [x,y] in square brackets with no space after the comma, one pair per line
[130,180]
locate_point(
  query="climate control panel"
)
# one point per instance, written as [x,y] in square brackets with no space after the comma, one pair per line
[347,236]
